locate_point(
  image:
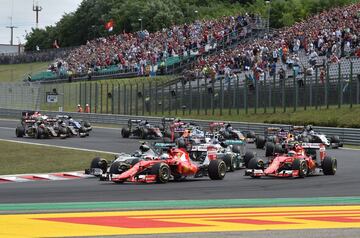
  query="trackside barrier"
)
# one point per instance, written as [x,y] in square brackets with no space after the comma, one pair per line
[350,136]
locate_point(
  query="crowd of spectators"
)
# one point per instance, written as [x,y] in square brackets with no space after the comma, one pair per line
[34,56]
[141,49]
[332,35]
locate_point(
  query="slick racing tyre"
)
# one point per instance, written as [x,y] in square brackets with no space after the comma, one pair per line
[269,149]
[329,165]
[144,133]
[118,167]
[99,163]
[251,135]
[125,132]
[278,149]
[217,169]
[39,133]
[20,131]
[247,157]
[229,161]
[162,172]
[236,149]
[256,163]
[260,142]
[301,165]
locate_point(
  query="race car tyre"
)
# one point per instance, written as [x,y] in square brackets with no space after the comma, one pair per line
[269,149]
[278,149]
[86,124]
[251,134]
[100,163]
[256,163]
[39,133]
[20,131]
[125,132]
[226,135]
[301,166]
[144,133]
[230,162]
[63,132]
[335,139]
[329,165]
[260,142]
[217,169]
[162,172]
[335,142]
[236,149]
[117,168]
[247,157]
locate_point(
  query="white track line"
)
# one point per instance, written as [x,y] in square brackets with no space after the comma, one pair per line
[7,128]
[60,147]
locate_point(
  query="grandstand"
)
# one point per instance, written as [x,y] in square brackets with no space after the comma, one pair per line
[234,51]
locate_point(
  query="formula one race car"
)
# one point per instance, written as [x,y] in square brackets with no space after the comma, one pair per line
[35,125]
[178,129]
[307,134]
[72,127]
[227,132]
[175,164]
[304,160]
[124,161]
[271,134]
[147,165]
[232,152]
[140,128]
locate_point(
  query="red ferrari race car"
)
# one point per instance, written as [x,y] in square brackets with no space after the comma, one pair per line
[175,164]
[304,160]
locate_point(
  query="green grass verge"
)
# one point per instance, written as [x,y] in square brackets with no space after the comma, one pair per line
[96,93]
[22,158]
[17,72]
[333,117]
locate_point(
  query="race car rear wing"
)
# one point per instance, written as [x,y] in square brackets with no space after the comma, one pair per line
[312,145]
[215,126]
[62,116]
[168,119]
[134,121]
[234,142]
[27,113]
[164,146]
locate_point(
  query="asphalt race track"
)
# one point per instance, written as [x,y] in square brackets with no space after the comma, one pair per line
[235,185]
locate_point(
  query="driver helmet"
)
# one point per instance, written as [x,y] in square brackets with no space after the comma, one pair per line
[297,147]
[164,156]
[137,154]
[291,153]
[308,128]
[144,148]
[71,120]
[228,127]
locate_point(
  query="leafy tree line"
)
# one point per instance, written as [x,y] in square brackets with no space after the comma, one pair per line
[88,21]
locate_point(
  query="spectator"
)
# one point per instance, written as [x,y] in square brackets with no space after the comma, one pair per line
[87,108]
[79,108]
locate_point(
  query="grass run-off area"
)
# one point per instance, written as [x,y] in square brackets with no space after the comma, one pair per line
[332,117]
[17,72]
[23,158]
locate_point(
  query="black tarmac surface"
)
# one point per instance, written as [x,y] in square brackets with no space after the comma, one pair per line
[235,185]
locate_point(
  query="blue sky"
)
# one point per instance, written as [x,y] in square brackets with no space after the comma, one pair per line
[24,18]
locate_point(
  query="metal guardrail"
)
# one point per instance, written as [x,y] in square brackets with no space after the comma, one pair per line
[350,136]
